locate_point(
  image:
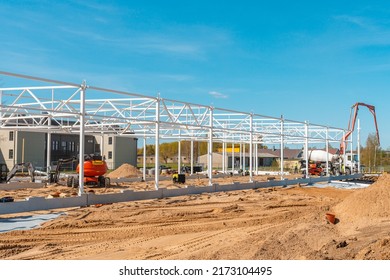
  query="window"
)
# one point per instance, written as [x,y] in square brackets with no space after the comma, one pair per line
[11,136]
[109,155]
[54,145]
[63,146]
[11,154]
[109,140]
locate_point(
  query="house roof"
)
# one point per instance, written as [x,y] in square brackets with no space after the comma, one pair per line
[260,154]
[287,153]
[266,155]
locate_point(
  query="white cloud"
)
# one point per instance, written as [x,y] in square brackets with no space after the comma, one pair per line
[165,44]
[356,20]
[216,94]
[176,77]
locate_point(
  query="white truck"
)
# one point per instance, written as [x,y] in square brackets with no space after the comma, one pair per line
[337,165]
[342,163]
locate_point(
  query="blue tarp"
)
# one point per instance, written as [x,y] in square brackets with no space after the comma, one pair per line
[26,222]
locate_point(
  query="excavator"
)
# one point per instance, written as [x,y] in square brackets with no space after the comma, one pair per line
[352,121]
[55,175]
[19,166]
[94,169]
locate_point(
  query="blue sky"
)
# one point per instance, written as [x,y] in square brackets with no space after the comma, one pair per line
[307,60]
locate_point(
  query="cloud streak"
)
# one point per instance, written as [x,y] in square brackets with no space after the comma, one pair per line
[190,41]
[355,20]
[218,95]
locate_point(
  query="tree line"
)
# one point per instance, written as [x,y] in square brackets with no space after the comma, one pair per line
[171,149]
[373,157]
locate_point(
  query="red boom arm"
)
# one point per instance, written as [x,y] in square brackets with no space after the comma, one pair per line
[352,120]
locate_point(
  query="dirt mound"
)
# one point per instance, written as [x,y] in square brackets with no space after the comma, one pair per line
[124,171]
[367,206]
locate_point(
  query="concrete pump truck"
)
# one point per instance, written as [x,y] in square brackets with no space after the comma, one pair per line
[338,163]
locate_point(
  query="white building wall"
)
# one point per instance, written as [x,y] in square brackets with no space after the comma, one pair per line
[5,145]
[118,150]
[125,151]
[217,160]
[26,147]
[31,148]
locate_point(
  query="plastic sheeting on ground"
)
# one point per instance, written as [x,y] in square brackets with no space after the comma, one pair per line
[26,222]
[341,185]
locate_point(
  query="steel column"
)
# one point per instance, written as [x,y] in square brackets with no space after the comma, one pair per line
[82,138]
[192,156]
[157,146]
[257,158]
[351,167]
[358,144]
[48,147]
[233,160]
[210,148]
[179,157]
[344,153]
[243,157]
[241,167]
[327,151]
[144,162]
[307,149]
[281,148]
[251,149]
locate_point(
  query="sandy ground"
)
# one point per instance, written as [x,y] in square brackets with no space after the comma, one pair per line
[275,223]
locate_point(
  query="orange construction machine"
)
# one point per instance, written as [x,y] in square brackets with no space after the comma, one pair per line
[94,169]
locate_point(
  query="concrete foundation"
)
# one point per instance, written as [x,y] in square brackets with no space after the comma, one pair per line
[41,203]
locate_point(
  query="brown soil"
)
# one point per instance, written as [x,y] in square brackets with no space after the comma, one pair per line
[124,171]
[275,223]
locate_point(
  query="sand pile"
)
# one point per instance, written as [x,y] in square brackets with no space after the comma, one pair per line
[367,206]
[124,171]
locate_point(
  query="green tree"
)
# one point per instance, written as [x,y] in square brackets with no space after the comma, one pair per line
[371,154]
[150,151]
[168,150]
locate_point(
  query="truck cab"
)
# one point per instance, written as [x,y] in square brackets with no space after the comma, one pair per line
[351,163]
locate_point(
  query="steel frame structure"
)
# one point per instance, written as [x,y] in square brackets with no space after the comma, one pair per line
[73,108]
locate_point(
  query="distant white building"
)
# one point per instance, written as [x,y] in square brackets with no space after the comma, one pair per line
[174,159]
[265,158]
